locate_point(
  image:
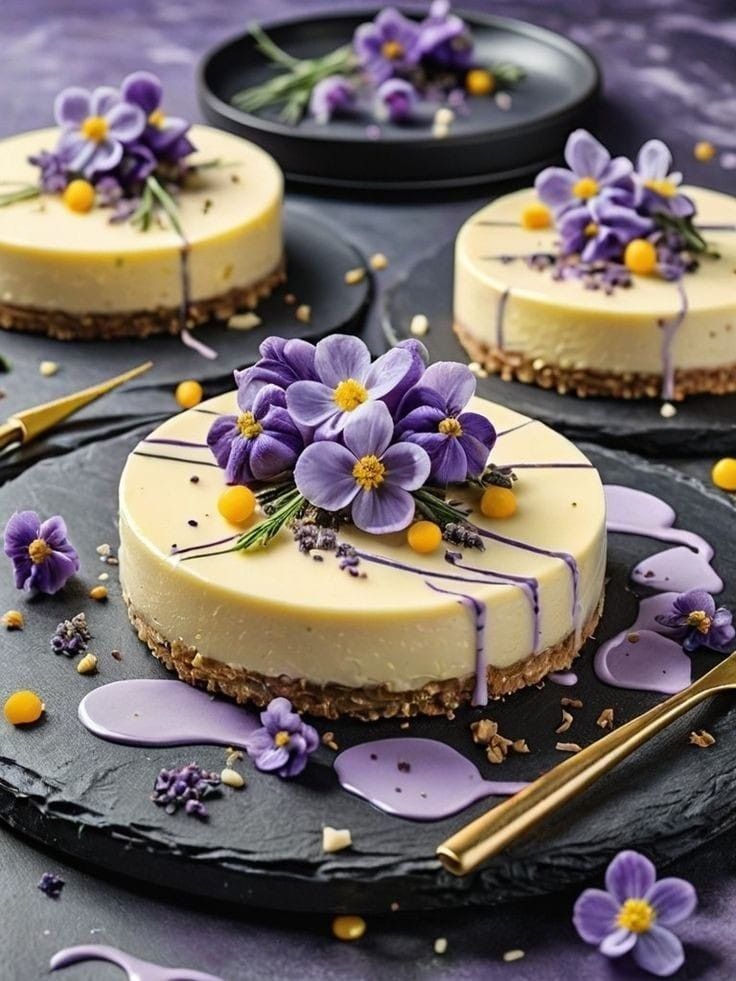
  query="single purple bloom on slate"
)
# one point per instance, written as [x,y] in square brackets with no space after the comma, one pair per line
[333,96]
[165,135]
[260,443]
[346,381]
[699,623]
[284,743]
[601,228]
[43,557]
[444,37]
[51,884]
[592,169]
[634,913]
[96,128]
[658,190]
[395,101]
[387,45]
[432,416]
[281,363]
[368,474]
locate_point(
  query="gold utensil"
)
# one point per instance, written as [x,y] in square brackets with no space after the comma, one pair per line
[498,828]
[30,423]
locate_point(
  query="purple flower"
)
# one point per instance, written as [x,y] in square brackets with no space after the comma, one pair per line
[347,380]
[657,188]
[419,361]
[591,170]
[394,101]
[331,97]
[387,45]
[367,474]
[259,444]
[444,37]
[601,228]
[695,617]
[431,415]
[634,912]
[281,363]
[187,787]
[42,556]
[284,743]
[164,135]
[53,166]
[96,127]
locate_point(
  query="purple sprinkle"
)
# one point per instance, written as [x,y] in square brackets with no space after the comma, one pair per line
[51,885]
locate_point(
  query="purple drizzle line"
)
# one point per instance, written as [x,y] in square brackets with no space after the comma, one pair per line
[513,429]
[478,609]
[134,967]
[175,459]
[196,548]
[550,466]
[187,338]
[500,318]
[418,779]
[669,332]
[176,442]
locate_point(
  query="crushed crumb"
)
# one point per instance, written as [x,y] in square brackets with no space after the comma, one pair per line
[573,703]
[440,945]
[98,593]
[244,321]
[88,664]
[567,721]
[232,756]
[513,955]
[568,747]
[520,746]
[394,907]
[303,313]
[404,725]
[289,299]
[378,261]
[419,325]
[231,778]
[116,655]
[485,733]
[702,738]
[335,839]
[605,719]
[444,116]
[104,576]
[328,739]
[48,368]
[13,620]
[477,369]
[197,660]
[104,550]
[440,131]
[667,410]
[354,276]
[633,638]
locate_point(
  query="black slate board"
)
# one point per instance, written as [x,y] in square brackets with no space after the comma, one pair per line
[558,94]
[318,256]
[704,423]
[262,846]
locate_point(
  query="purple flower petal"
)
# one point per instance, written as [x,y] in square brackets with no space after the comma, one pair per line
[455,383]
[654,160]
[618,943]
[585,155]
[395,100]
[388,508]
[143,89]
[594,915]
[617,172]
[279,716]
[673,900]
[630,876]
[339,357]
[106,156]
[554,187]
[125,122]
[388,371]
[449,463]
[369,430]
[72,106]
[331,97]
[272,758]
[270,457]
[476,452]
[659,951]
[695,599]
[324,475]
[407,465]
[311,403]
[104,98]
[237,467]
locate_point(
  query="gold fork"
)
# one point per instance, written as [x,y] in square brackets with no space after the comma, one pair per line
[498,828]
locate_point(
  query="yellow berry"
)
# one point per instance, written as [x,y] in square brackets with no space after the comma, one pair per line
[704,151]
[498,502]
[424,536]
[79,196]
[535,215]
[478,81]
[724,474]
[188,394]
[348,927]
[23,707]
[237,504]
[98,593]
[640,257]
[13,620]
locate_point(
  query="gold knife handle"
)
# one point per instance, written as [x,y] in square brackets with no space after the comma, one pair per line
[498,828]
[11,432]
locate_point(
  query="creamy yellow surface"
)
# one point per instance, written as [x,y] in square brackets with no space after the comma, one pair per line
[278,611]
[564,324]
[55,259]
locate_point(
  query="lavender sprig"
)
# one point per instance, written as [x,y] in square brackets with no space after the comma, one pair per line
[185,786]
[71,636]
[24,192]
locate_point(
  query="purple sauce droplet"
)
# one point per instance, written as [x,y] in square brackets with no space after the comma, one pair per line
[565,678]
[134,967]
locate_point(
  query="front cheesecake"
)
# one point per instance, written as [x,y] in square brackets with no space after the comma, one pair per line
[374,628]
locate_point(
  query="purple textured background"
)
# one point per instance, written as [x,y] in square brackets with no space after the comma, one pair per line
[669,71]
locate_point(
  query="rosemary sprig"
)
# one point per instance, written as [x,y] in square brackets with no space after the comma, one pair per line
[507,75]
[24,192]
[685,228]
[143,214]
[292,503]
[167,203]
[437,508]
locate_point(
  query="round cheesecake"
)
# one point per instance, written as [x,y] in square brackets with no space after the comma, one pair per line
[650,339]
[73,275]
[398,633]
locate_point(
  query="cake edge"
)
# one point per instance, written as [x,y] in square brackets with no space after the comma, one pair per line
[367,704]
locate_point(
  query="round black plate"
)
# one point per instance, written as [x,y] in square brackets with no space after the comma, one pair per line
[703,424]
[557,94]
[262,846]
[317,259]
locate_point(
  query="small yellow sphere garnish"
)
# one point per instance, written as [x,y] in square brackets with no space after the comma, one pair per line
[704,151]
[498,502]
[535,215]
[723,474]
[479,81]
[640,257]
[188,394]
[79,196]
[23,707]
[348,927]
[424,536]
[236,504]
[585,187]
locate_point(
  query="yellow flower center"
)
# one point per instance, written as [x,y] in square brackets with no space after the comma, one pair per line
[349,394]
[281,738]
[248,426]
[700,620]
[157,118]
[450,427]
[393,50]
[369,472]
[586,187]
[636,915]
[38,551]
[664,187]
[95,128]
[590,229]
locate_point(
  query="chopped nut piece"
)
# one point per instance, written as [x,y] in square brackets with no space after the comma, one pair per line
[231,778]
[328,738]
[702,738]
[477,369]
[440,131]
[303,313]
[573,703]
[520,746]
[244,321]
[605,719]
[440,945]
[104,576]
[419,325]
[567,721]
[444,116]
[98,593]
[378,261]
[495,754]
[568,747]
[354,276]
[404,725]
[88,664]
[483,731]
[335,839]
[104,550]
[13,620]
[48,368]
[513,955]
[667,410]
